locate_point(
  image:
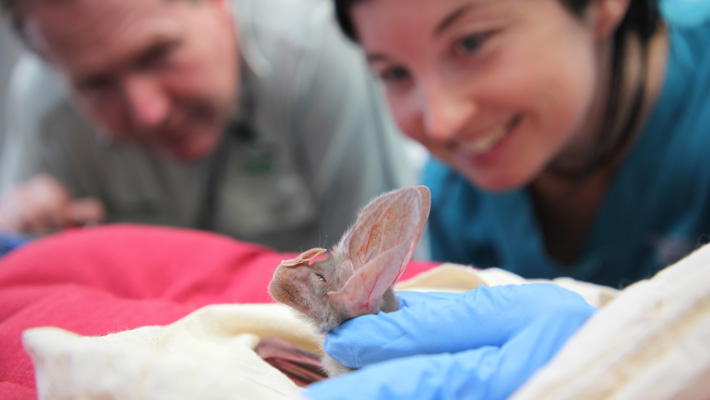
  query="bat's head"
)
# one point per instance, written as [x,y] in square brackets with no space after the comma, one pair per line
[367,261]
[305,285]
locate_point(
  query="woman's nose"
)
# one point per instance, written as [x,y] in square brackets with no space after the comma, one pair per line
[146,101]
[445,112]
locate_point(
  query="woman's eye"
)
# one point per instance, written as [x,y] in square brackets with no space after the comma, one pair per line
[394,75]
[470,44]
[320,278]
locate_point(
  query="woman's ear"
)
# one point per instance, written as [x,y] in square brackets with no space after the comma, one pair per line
[607,15]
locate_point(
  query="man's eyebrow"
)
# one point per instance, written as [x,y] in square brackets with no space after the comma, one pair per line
[156,47]
[451,18]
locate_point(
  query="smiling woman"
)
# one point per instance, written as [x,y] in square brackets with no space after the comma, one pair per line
[551,125]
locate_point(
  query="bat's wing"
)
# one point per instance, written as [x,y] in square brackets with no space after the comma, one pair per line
[379,246]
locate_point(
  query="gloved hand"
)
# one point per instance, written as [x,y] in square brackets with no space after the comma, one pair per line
[482,344]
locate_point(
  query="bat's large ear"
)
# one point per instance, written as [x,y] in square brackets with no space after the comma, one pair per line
[379,246]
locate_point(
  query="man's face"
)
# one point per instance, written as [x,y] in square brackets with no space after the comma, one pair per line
[161,73]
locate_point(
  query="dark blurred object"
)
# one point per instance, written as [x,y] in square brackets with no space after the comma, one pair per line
[303,367]
[10,242]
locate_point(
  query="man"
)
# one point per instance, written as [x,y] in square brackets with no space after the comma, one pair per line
[252,118]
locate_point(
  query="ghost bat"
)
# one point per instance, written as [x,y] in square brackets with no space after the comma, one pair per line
[356,278]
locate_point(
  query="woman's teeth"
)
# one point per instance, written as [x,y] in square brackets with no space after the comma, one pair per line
[485,143]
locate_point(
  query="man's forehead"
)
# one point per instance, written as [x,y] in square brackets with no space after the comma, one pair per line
[77,33]
[54,14]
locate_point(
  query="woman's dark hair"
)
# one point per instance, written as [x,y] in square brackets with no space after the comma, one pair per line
[642,20]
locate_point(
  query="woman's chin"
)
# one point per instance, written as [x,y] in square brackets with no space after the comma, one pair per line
[497,182]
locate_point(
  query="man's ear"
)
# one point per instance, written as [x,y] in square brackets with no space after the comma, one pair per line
[607,16]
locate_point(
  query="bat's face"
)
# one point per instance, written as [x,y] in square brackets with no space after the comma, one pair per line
[305,286]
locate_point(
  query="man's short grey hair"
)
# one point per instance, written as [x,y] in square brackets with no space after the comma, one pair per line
[13,9]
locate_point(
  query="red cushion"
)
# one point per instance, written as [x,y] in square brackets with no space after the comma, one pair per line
[99,280]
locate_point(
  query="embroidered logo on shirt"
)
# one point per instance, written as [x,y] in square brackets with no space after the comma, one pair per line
[259,156]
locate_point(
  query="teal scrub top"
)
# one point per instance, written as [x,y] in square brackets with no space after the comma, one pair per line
[656,210]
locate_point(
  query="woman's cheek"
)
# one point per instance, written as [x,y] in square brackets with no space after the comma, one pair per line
[406,118]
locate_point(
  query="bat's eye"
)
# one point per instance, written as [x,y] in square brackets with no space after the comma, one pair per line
[320,277]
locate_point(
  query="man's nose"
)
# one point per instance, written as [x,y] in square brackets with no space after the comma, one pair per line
[146,102]
[445,111]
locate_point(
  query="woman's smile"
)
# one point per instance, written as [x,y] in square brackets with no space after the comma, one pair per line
[484,147]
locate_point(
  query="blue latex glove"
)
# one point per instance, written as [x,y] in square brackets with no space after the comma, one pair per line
[482,344]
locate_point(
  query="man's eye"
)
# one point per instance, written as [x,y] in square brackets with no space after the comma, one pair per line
[99,86]
[470,44]
[158,53]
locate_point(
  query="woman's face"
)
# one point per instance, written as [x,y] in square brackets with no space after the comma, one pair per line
[497,88]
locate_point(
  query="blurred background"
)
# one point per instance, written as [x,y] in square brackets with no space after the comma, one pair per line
[9,51]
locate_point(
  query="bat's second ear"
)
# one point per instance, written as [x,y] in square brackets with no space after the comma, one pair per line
[303,258]
[363,292]
[379,246]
